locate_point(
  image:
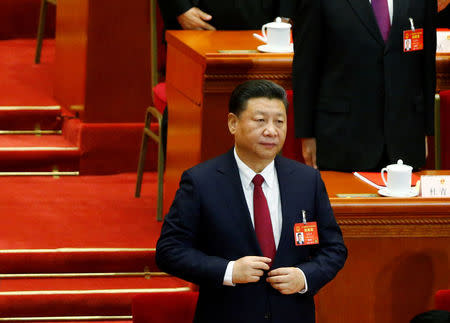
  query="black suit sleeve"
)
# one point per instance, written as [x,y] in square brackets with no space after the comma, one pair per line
[177,251]
[171,9]
[331,254]
[430,65]
[443,19]
[306,65]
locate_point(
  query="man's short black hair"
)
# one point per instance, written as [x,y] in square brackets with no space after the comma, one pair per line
[434,316]
[255,89]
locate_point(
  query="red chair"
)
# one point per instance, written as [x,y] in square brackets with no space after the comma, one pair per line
[164,307]
[442,300]
[156,112]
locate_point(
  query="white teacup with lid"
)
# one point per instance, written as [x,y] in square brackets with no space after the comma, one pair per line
[398,180]
[277,34]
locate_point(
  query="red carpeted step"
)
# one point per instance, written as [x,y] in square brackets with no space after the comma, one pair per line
[30,118]
[83,260]
[78,212]
[66,320]
[79,297]
[87,321]
[23,83]
[28,286]
[37,153]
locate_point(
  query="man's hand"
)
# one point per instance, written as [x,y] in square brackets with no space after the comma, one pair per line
[287,280]
[309,151]
[249,269]
[195,19]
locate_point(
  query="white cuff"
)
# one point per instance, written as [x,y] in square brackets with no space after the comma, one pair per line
[304,290]
[228,278]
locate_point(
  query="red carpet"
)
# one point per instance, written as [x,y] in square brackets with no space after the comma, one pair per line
[57,226]
[87,211]
[103,148]
[38,215]
[78,284]
[23,83]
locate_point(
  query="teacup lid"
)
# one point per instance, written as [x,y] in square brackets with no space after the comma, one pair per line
[399,166]
[278,24]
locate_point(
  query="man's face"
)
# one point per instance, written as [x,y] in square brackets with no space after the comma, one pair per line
[259,131]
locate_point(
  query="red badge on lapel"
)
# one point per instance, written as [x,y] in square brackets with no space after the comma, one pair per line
[305,233]
[412,40]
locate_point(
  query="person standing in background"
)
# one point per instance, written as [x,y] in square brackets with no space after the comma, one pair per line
[444,14]
[223,15]
[361,100]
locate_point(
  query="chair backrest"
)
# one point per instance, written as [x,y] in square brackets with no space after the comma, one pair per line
[442,299]
[164,307]
[158,48]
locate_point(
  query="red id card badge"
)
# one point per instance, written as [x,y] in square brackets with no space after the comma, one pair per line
[306,234]
[412,40]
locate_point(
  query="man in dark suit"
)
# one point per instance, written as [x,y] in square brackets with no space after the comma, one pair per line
[443,20]
[222,15]
[361,99]
[232,226]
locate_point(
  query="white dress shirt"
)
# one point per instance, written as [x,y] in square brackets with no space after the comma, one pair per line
[391,8]
[271,191]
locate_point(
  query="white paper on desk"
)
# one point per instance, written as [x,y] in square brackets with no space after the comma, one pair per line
[443,42]
[435,186]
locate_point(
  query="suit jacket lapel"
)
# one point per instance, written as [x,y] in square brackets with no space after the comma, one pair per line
[400,7]
[283,174]
[234,197]
[364,11]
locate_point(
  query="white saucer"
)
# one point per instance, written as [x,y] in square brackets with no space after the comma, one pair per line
[411,193]
[267,49]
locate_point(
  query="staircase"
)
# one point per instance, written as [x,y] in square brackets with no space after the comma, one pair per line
[31,142]
[31,139]
[79,285]
[62,284]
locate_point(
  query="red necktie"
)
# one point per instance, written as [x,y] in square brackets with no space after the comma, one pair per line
[381,11]
[263,223]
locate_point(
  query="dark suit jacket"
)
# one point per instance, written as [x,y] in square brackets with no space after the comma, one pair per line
[357,95]
[228,14]
[209,225]
[444,18]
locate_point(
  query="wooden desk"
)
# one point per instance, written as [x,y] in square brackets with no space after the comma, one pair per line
[399,255]
[442,71]
[199,83]
[200,80]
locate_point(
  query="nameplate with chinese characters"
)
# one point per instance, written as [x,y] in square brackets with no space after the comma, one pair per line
[435,186]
